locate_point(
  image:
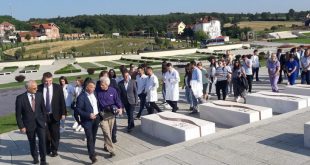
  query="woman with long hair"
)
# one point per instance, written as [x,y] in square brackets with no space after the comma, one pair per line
[211,72]
[238,73]
[68,91]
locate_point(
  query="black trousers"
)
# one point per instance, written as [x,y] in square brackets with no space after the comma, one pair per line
[142,98]
[52,134]
[221,86]
[151,106]
[173,104]
[114,130]
[210,85]
[130,108]
[255,73]
[91,133]
[31,135]
[250,80]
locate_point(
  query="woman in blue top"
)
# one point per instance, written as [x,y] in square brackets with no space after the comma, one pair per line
[292,68]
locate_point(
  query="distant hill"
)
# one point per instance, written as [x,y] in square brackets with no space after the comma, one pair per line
[20,25]
[152,23]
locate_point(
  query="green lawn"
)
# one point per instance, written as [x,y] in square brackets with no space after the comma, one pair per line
[108,64]
[306,34]
[67,69]
[9,69]
[87,65]
[7,123]
[294,40]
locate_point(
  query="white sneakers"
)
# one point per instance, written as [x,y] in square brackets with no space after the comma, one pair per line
[79,129]
[75,125]
[237,99]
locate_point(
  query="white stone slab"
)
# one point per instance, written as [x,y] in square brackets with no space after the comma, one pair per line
[279,102]
[232,113]
[307,134]
[174,127]
[298,89]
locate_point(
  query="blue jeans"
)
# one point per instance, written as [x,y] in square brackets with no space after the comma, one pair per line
[188,95]
[255,73]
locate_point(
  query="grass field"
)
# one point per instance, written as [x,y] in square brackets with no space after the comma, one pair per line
[112,45]
[87,65]
[7,123]
[262,25]
[9,69]
[294,40]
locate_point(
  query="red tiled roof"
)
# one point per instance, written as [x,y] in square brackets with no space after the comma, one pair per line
[206,19]
[6,24]
[45,25]
[32,33]
[174,24]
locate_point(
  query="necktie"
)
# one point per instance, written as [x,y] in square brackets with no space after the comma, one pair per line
[33,103]
[47,101]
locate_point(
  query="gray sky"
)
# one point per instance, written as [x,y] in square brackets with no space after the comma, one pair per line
[25,9]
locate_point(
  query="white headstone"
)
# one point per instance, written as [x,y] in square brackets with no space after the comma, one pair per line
[298,89]
[174,127]
[279,102]
[307,134]
[232,113]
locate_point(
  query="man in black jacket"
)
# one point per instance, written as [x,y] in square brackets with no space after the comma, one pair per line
[55,109]
[31,119]
[129,97]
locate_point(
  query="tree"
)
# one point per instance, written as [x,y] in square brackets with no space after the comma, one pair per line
[274,28]
[28,37]
[200,35]
[18,54]
[158,41]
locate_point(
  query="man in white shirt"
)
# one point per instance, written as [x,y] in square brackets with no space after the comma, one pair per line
[141,84]
[247,65]
[151,90]
[171,80]
[255,64]
[305,64]
[87,108]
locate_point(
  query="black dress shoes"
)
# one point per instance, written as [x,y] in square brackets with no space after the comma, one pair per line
[35,161]
[54,154]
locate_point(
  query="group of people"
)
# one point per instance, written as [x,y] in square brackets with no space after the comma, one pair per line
[42,109]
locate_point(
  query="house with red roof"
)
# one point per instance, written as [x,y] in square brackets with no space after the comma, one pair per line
[50,30]
[176,28]
[6,26]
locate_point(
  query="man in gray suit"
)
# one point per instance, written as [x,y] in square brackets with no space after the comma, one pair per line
[129,97]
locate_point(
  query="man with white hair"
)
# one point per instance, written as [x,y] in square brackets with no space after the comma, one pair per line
[109,105]
[31,118]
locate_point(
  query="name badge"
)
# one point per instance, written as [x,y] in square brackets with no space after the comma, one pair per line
[111,95]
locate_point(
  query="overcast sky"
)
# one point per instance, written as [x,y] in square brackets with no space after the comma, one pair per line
[25,9]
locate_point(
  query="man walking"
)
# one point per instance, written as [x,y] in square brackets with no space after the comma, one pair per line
[141,84]
[151,88]
[129,97]
[255,64]
[31,118]
[87,108]
[55,108]
[171,80]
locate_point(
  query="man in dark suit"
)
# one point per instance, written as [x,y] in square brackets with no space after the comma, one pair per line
[129,97]
[31,119]
[87,108]
[56,108]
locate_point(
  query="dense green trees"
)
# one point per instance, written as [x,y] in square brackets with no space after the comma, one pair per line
[152,24]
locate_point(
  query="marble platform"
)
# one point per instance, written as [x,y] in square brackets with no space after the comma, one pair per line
[232,113]
[279,102]
[298,89]
[174,127]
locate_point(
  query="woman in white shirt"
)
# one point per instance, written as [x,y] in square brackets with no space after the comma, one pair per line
[68,91]
[77,91]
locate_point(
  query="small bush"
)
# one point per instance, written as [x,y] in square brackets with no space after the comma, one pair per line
[20,78]
[90,71]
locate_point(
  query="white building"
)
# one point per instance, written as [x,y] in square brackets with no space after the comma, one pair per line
[210,26]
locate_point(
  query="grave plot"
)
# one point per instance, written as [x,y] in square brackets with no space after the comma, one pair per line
[279,102]
[175,128]
[298,89]
[232,113]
